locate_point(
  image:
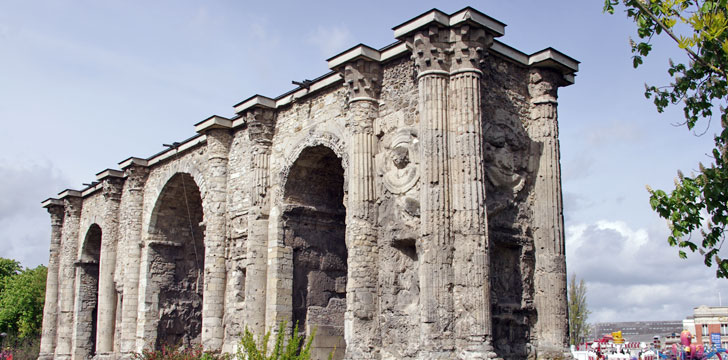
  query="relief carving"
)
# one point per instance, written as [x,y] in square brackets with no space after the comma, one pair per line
[506,164]
[400,163]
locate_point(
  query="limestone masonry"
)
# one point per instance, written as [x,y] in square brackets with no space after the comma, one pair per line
[407,205]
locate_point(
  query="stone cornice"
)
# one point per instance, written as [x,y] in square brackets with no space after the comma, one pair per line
[109,173]
[213,122]
[254,101]
[437,17]
[68,193]
[360,51]
[133,161]
[50,202]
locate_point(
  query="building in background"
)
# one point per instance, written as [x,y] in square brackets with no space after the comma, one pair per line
[638,331]
[708,320]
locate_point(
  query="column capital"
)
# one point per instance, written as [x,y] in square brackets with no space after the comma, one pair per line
[136,176]
[55,207]
[469,48]
[261,123]
[363,80]
[543,85]
[430,47]
[72,202]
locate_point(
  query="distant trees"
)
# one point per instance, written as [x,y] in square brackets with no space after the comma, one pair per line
[22,293]
[578,312]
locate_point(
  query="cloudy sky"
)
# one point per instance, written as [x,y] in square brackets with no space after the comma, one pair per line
[85,84]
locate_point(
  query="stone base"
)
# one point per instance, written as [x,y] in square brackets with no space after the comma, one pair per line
[553,353]
[45,357]
[105,356]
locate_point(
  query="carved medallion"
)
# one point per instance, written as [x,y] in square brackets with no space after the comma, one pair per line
[401,162]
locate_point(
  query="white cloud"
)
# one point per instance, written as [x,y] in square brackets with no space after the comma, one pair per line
[331,40]
[632,274]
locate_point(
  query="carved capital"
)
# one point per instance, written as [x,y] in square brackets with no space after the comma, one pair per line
[261,125]
[111,188]
[72,206]
[363,80]
[469,47]
[57,212]
[543,85]
[136,176]
[430,49]
[218,143]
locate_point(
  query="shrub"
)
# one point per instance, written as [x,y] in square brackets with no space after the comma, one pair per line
[180,353]
[284,347]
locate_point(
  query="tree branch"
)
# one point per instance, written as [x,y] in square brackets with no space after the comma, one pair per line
[664,28]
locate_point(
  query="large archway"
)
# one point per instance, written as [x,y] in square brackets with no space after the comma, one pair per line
[314,221]
[88,289]
[177,261]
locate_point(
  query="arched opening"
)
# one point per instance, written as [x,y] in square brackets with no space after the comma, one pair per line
[314,221]
[176,262]
[88,289]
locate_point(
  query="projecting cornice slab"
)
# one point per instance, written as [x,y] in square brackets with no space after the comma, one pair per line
[51,202]
[437,17]
[213,122]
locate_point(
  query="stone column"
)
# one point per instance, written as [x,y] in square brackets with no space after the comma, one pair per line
[50,310]
[279,282]
[550,270]
[130,230]
[72,203]
[471,292]
[213,296]
[363,81]
[112,187]
[429,51]
[261,125]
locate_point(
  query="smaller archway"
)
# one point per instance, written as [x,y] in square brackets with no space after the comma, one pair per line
[314,222]
[87,292]
[176,257]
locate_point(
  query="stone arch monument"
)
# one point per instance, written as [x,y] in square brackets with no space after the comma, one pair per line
[407,204]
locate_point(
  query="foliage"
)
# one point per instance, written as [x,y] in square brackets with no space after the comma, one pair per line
[699,203]
[8,268]
[284,348]
[179,353]
[21,302]
[578,312]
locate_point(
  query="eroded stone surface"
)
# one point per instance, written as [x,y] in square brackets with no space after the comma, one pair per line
[410,210]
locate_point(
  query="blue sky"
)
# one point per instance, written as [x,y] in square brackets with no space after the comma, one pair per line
[86,84]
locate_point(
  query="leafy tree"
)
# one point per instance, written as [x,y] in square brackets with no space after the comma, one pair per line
[8,268]
[21,302]
[578,312]
[699,203]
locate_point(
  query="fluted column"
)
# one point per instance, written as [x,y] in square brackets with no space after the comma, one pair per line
[471,291]
[112,188]
[550,271]
[363,339]
[130,230]
[429,48]
[261,125]
[67,275]
[50,309]
[213,307]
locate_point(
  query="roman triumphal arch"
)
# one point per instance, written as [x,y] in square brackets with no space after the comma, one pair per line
[406,205]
